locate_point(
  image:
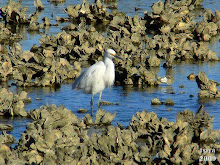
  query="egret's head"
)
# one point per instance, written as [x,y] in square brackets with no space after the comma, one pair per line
[111,54]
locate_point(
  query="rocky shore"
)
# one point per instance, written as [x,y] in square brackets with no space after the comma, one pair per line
[167,35]
[57,136]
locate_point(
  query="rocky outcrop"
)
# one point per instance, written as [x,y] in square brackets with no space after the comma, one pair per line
[57,136]
[36,69]
[12,104]
[208,88]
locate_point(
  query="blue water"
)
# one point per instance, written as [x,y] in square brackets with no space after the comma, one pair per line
[130,99]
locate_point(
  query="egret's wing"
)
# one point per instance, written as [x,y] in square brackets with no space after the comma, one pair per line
[91,76]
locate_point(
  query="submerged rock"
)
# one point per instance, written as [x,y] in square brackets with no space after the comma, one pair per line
[156,101]
[82,110]
[191,76]
[106,103]
[169,102]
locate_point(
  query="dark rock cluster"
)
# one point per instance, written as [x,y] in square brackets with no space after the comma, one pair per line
[96,12]
[14,13]
[179,142]
[36,69]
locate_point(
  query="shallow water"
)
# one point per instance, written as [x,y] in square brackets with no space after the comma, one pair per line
[130,99]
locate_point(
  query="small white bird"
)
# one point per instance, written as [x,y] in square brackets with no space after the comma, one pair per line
[97,77]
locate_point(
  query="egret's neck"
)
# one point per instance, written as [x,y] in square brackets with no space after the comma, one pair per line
[109,63]
[107,60]
[109,75]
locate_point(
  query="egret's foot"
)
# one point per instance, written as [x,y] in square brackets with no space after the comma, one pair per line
[99,104]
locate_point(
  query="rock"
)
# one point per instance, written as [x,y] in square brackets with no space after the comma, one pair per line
[11,104]
[57,1]
[6,127]
[88,120]
[58,129]
[82,110]
[6,37]
[169,102]
[203,81]
[210,135]
[157,8]
[38,4]
[212,56]
[206,30]
[153,61]
[46,21]
[191,76]
[103,117]
[18,109]
[33,27]
[5,70]
[107,118]
[5,151]
[165,29]
[100,113]
[207,87]
[6,138]
[156,101]
[69,27]
[42,68]
[106,103]
[90,13]
[13,13]
[23,95]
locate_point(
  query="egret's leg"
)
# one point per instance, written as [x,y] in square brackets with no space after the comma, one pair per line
[91,104]
[100,96]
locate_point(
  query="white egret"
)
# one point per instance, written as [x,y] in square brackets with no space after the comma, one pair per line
[97,77]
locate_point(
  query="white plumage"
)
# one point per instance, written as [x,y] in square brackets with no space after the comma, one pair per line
[98,76]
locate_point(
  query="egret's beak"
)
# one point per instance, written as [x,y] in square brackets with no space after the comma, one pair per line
[118,57]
